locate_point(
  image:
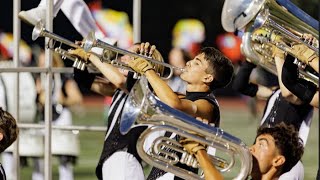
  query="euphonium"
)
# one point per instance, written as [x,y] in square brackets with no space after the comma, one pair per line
[142,108]
[280,19]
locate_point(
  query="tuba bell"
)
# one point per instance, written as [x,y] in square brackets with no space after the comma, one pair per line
[263,20]
[143,108]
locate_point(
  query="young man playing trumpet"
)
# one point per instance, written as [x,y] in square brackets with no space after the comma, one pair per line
[209,70]
[119,159]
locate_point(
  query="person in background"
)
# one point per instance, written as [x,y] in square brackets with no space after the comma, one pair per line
[65,93]
[27,97]
[178,58]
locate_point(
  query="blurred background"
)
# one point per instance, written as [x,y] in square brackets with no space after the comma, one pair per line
[186,24]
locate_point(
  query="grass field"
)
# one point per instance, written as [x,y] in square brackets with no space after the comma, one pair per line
[235,119]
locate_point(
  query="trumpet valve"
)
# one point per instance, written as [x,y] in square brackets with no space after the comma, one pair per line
[80,64]
[75,63]
[83,66]
[300,64]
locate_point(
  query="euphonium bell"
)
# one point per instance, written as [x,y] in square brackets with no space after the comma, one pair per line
[143,108]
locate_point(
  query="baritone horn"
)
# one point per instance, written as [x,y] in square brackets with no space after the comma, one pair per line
[110,54]
[142,108]
[280,19]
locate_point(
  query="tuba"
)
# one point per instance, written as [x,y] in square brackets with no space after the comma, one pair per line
[267,21]
[143,108]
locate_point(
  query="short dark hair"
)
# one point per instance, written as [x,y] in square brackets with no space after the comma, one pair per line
[9,129]
[219,66]
[287,141]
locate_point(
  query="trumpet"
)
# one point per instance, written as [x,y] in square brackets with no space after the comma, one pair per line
[110,53]
[91,41]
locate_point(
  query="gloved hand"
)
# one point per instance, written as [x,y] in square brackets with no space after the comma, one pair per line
[145,49]
[83,55]
[303,53]
[140,65]
[191,146]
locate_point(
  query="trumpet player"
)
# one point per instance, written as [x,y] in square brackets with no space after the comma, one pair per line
[275,151]
[209,70]
[119,158]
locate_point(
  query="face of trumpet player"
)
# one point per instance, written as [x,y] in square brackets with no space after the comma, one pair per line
[210,69]
[276,150]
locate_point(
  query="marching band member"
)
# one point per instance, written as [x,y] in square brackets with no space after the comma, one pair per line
[281,106]
[119,158]
[8,134]
[209,70]
[178,58]
[65,93]
[27,97]
[275,151]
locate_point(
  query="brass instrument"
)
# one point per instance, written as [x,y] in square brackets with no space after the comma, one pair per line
[276,23]
[88,43]
[142,108]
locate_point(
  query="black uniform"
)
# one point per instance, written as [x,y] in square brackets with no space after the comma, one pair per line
[277,108]
[114,140]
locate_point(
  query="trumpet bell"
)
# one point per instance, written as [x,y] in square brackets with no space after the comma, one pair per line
[89,41]
[36,32]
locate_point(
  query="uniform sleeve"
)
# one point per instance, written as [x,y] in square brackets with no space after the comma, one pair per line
[84,79]
[241,80]
[302,88]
